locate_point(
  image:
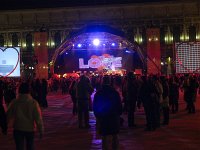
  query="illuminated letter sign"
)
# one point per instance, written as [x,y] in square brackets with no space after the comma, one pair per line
[94,62]
[81,63]
[108,62]
[117,62]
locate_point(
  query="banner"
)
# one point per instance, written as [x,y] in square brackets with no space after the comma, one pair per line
[153,51]
[41,54]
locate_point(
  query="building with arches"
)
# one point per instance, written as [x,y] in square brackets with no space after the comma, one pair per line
[177,21]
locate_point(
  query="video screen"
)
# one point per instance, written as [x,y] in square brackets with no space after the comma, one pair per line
[9,62]
[187,57]
[83,60]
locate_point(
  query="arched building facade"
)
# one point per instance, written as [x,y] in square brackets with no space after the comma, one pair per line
[177,22]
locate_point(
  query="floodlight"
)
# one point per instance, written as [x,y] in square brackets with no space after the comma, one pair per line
[79,45]
[113,44]
[96,42]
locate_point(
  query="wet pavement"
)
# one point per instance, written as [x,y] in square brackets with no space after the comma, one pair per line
[62,132]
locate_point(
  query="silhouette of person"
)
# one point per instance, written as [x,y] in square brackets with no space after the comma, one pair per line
[25,113]
[3,122]
[83,92]
[107,109]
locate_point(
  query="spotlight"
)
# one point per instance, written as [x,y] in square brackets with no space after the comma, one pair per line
[113,44]
[66,53]
[127,51]
[96,42]
[79,45]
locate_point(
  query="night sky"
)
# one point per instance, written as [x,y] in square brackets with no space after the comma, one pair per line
[28,4]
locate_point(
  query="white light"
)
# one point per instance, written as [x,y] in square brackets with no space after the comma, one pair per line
[127,51]
[79,45]
[113,44]
[24,45]
[52,44]
[169,59]
[66,53]
[96,42]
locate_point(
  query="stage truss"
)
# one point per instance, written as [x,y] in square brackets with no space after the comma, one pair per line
[107,41]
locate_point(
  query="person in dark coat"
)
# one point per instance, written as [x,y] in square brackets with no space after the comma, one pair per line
[132,89]
[107,110]
[185,88]
[158,98]
[3,120]
[9,92]
[38,91]
[192,93]
[165,101]
[173,94]
[44,88]
[83,93]
[72,92]
[147,95]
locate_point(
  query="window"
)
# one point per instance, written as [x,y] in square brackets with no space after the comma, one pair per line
[29,40]
[15,40]
[1,41]
[57,39]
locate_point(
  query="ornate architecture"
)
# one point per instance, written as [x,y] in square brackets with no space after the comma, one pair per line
[178,21]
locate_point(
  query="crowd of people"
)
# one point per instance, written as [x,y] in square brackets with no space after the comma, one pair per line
[113,96]
[159,95]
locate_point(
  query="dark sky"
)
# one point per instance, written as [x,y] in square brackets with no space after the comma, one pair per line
[26,4]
